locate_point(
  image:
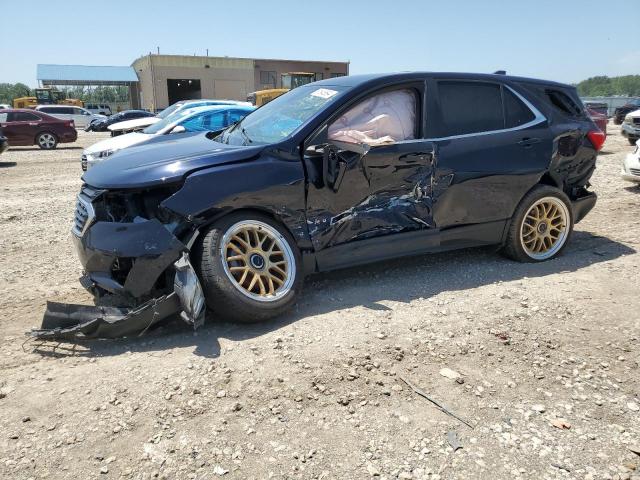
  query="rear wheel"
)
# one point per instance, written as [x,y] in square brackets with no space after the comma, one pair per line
[250,268]
[46,140]
[632,141]
[541,225]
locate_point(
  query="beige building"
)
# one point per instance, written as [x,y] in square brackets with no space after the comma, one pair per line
[165,79]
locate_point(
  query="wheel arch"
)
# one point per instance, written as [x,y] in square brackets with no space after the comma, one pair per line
[51,132]
[306,253]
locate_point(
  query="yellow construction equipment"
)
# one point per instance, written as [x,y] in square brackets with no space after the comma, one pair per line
[46,96]
[289,80]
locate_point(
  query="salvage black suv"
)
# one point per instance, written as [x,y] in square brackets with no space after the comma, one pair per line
[333,174]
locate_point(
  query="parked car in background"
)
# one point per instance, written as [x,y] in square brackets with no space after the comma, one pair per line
[334,174]
[98,108]
[4,142]
[598,118]
[5,106]
[621,112]
[80,116]
[199,119]
[599,107]
[101,125]
[631,166]
[141,123]
[631,127]
[31,127]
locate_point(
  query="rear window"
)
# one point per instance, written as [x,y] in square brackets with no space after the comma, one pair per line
[470,107]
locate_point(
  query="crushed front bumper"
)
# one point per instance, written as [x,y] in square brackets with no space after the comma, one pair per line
[149,251]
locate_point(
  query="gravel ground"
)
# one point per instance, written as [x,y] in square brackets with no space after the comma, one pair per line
[542,361]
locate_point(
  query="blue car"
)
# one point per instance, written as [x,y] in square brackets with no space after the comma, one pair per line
[198,119]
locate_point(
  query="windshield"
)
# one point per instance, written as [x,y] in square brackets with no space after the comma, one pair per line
[165,122]
[279,118]
[169,110]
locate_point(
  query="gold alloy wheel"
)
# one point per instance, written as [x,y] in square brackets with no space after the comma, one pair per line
[258,260]
[545,228]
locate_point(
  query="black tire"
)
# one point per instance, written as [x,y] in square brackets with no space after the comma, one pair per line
[632,141]
[513,247]
[47,140]
[224,297]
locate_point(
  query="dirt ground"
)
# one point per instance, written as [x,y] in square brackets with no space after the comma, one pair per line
[548,358]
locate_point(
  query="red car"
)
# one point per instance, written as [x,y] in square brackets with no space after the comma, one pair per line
[30,127]
[599,119]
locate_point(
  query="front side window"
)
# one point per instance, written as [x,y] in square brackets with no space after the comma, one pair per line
[385,118]
[282,116]
[470,107]
[205,122]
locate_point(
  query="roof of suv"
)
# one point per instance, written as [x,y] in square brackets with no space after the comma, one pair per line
[354,80]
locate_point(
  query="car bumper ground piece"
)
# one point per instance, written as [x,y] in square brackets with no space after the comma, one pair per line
[582,205]
[63,321]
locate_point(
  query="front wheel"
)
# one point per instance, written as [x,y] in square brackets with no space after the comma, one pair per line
[250,267]
[47,141]
[541,225]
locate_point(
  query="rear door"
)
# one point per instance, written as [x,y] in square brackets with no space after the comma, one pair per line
[492,146]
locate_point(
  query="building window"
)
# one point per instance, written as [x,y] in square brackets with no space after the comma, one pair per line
[267,78]
[336,75]
[319,76]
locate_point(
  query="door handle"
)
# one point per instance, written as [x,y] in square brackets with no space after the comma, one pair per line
[528,142]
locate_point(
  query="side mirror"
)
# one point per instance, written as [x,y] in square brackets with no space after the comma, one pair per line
[178,129]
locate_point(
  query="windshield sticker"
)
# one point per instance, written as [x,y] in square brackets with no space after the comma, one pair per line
[324,93]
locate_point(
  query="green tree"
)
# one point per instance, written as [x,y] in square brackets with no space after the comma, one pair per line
[627,85]
[9,91]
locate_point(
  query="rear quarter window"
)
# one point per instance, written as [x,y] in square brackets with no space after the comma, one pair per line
[563,103]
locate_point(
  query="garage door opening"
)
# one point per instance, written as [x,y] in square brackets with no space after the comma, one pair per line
[183,89]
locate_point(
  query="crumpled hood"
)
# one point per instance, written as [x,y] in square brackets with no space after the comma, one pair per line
[164,160]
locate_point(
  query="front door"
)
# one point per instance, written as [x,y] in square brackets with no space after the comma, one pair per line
[370,172]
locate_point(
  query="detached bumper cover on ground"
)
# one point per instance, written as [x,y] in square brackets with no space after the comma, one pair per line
[155,251]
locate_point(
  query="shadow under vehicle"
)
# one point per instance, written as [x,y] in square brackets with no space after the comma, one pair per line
[333,174]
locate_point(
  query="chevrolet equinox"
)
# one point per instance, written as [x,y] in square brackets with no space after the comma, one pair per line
[338,173]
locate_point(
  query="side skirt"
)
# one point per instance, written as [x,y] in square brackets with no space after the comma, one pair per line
[406,244]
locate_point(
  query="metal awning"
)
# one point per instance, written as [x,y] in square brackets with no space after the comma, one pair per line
[48,74]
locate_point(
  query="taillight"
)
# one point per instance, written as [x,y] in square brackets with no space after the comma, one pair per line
[597,138]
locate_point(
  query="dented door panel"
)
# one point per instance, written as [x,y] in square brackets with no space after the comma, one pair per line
[482,178]
[386,189]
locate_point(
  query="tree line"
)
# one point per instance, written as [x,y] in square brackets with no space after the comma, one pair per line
[9,91]
[627,85]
